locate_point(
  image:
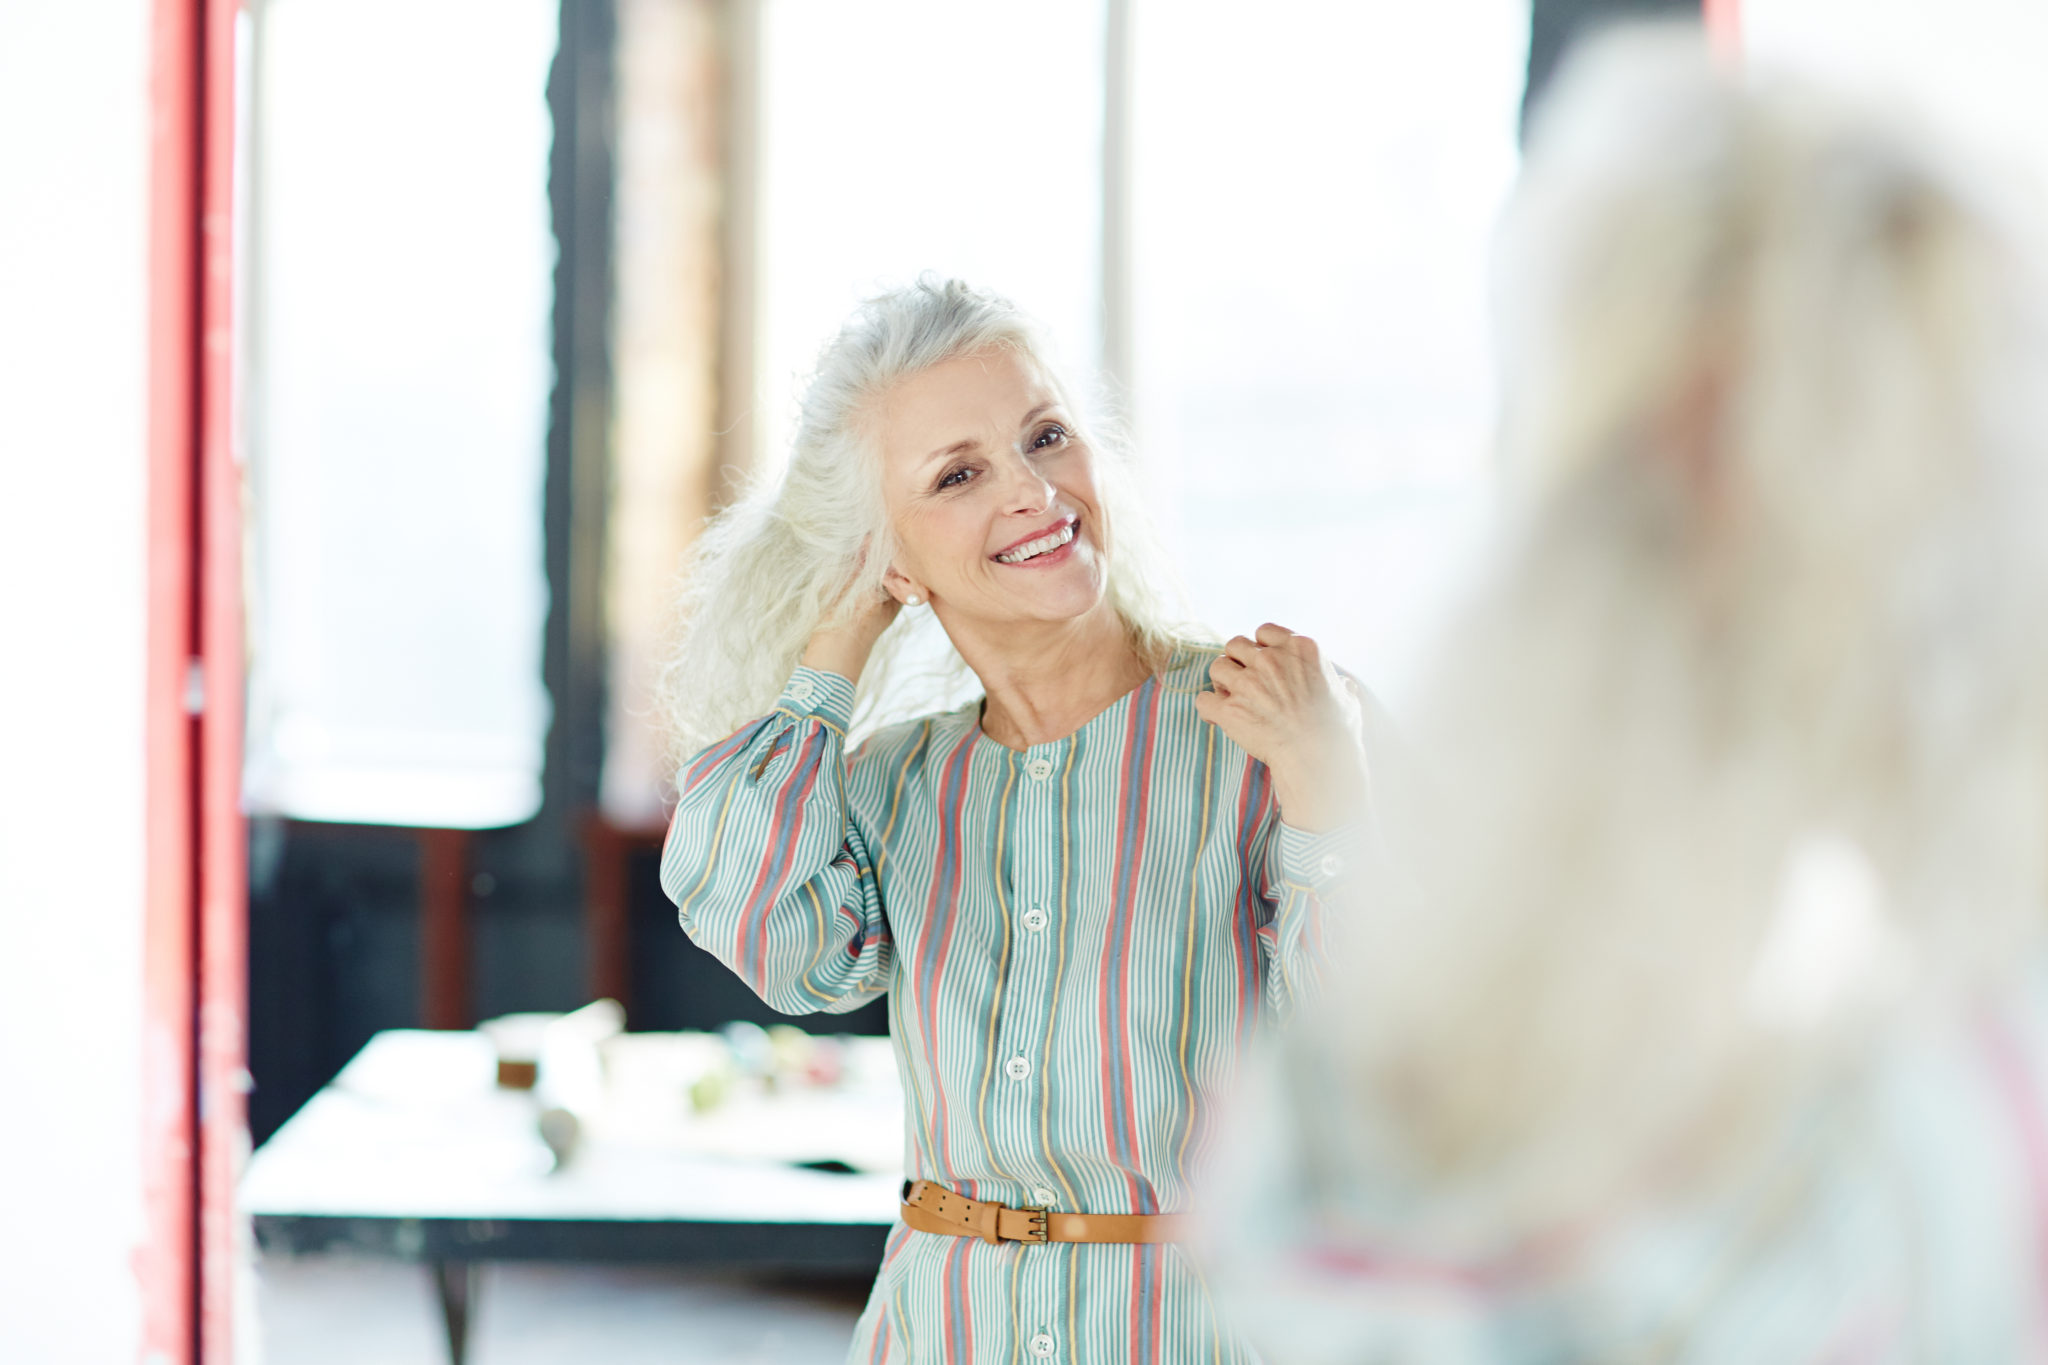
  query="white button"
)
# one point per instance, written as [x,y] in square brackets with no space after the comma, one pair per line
[1017,1068]
[1034,919]
[1332,864]
[1043,1195]
[1042,1345]
[1039,768]
[800,689]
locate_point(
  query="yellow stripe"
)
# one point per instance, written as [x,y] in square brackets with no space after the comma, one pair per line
[711,858]
[818,919]
[825,721]
[924,740]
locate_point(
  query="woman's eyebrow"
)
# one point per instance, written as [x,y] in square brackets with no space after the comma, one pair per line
[968,443]
[959,447]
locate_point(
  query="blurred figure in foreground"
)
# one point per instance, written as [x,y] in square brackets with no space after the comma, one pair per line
[1714,1028]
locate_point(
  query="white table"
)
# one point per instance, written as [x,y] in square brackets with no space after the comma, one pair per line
[414,1152]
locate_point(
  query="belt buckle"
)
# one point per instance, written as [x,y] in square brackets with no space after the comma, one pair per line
[1040,1225]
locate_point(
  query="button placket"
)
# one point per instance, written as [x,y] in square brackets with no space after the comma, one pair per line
[1042,1345]
[1035,848]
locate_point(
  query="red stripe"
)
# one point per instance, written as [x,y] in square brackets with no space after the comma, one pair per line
[751,936]
[940,906]
[957,1326]
[1119,1087]
[1147,1304]
[1251,895]
[719,752]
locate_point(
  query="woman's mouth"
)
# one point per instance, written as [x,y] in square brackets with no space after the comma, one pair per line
[1042,547]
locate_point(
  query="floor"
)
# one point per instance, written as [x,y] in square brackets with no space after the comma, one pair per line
[331,1311]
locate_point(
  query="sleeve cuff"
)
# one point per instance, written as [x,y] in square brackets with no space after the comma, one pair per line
[812,692]
[1319,861]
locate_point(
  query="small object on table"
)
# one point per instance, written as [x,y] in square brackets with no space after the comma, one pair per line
[516,1039]
[559,1058]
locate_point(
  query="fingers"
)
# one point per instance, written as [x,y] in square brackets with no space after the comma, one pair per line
[1272,644]
[1271,636]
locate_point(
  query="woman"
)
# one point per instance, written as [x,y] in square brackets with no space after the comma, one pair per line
[1079,893]
[1722,1034]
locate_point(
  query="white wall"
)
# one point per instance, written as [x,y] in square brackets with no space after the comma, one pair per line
[73,309]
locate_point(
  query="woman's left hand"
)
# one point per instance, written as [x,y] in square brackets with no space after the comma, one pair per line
[1283,704]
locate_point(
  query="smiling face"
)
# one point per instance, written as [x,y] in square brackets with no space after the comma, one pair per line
[991,495]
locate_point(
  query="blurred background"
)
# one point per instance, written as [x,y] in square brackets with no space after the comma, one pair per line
[518,292]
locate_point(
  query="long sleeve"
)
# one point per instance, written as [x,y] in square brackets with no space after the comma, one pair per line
[768,869]
[1302,876]
[1305,878]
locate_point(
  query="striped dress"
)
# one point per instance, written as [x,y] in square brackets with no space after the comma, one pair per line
[1898,1217]
[1077,941]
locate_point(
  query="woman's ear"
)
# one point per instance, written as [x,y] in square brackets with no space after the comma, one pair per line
[900,587]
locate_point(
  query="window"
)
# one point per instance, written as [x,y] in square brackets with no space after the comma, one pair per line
[1313,201]
[1311,194]
[899,136]
[399,301]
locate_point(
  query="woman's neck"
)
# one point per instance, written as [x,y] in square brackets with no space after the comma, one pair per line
[1046,680]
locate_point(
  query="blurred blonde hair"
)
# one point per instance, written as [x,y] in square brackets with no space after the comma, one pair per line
[1759,659]
[767,572]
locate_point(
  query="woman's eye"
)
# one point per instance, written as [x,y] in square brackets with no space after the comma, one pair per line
[953,478]
[1050,435]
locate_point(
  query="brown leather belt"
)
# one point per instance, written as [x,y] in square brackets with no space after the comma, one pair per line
[934,1208]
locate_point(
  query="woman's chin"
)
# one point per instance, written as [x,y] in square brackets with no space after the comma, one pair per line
[1060,602]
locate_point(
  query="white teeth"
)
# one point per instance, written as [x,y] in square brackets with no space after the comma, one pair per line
[1032,549]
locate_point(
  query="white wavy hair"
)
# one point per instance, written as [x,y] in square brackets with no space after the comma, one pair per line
[1738,749]
[766,572]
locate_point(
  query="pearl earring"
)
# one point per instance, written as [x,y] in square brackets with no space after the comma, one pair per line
[912,599]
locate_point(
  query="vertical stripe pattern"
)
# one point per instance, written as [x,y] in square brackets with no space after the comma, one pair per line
[1077,940]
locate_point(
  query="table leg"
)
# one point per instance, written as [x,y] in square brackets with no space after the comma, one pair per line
[456,1281]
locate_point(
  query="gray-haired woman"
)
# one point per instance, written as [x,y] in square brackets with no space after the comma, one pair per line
[1722,1035]
[1080,892]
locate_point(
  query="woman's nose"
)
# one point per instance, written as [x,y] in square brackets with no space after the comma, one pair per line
[1028,489]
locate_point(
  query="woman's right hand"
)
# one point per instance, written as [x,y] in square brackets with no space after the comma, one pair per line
[843,647]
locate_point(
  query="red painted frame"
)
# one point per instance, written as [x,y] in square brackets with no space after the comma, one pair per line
[195,909]
[223,966]
[165,1263]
